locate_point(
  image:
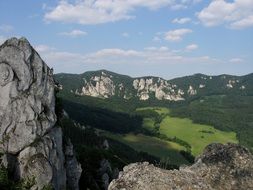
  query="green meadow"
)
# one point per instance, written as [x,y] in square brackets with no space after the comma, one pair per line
[165,150]
[197,135]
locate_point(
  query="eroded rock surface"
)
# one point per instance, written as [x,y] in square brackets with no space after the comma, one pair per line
[98,86]
[31,143]
[220,167]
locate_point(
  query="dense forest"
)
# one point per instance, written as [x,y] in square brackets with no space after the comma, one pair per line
[91,151]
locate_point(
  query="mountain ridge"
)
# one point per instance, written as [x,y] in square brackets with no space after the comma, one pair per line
[107,84]
[145,76]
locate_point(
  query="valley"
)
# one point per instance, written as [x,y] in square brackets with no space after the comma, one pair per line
[165,122]
[165,150]
[198,136]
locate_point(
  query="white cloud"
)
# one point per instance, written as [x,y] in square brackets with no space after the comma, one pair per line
[114,52]
[237,14]
[162,48]
[43,48]
[103,11]
[74,33]
[191,47]
[236,60]
[176,35]
[243,23]
[6,28]
[76,62]
[181,20]
[125,34]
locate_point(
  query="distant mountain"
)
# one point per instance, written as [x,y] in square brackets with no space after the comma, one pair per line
[105,84]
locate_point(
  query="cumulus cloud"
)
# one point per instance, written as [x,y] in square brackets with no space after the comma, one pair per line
[236,60]
[162,48]
[191,47]
[176,35]
[237,14]
[243,23]
[181,20]
[76,62]
[74,33]
[101,11]
[114,52]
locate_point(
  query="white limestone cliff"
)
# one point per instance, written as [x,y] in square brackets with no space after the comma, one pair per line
[161,89]
[98,86]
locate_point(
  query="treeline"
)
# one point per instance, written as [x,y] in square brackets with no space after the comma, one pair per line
[90,150]
[227,113]
[150,113]
[103,118]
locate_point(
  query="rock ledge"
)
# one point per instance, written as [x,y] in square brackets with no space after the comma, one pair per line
[220,167]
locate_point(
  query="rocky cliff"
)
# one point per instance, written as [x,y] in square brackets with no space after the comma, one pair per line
[105,84]
[30,142]
[220,167]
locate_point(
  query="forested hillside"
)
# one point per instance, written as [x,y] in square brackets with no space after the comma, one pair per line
[213,108]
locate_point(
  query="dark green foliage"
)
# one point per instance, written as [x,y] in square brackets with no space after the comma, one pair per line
[90,152]
[4,180]
[48,187]
[188,156]
[227,109]
[176,140]
[103,118]
[6,183]
[205,131]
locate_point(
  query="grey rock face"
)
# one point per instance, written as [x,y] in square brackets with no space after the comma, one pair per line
[27,117]
[220,167]
[27,96]
[73,168]
[162,89]
[99,86]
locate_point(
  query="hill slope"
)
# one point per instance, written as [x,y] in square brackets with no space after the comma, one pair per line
[105,84]
[224,102]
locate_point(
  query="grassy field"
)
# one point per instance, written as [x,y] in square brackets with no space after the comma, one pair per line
[154,146]
[198,136]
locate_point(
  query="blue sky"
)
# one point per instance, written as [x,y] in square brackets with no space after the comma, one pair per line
[167,38]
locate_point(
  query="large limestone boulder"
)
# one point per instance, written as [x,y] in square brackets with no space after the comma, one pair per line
[31,143]
[27,106]
[220,167]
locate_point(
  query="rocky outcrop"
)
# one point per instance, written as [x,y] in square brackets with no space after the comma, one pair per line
[30,141]
[191,91]
[98,86]
[220,167]
[73,168]
[161,88]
